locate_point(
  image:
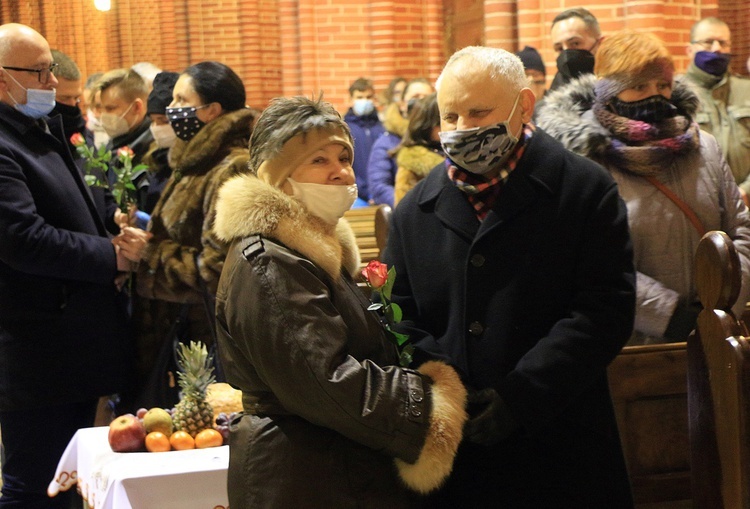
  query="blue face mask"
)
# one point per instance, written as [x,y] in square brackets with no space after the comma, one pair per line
[362,107]
[39,103]
[712,63]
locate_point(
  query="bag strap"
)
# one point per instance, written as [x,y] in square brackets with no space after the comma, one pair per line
[684,207]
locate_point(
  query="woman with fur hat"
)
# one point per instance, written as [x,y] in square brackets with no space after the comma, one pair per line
[322,392]
[635,120]
[179,258]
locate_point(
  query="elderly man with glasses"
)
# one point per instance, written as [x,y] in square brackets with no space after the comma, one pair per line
[724,98]
[63,332]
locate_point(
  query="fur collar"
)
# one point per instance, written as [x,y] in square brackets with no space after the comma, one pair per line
[394,122]
[213,143]
[566,115]
[248,206]
[418,159]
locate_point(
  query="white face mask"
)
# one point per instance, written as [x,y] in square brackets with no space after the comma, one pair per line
[38,102]
[164,135]
[115,125]
[326,201]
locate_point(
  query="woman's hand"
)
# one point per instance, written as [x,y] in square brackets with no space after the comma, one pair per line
[132,243]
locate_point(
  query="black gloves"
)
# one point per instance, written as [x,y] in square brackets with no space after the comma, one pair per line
[490,420]
[683,321]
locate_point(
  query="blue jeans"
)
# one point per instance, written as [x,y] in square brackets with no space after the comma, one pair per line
[33,442]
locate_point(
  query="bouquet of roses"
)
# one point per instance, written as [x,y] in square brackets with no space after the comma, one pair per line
[380,279]
[97,164]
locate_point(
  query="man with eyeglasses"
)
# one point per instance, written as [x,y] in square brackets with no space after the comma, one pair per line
[63,335]
[724,98]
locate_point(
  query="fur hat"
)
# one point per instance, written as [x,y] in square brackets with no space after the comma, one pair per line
[531,59]
[161,95]
[276,170]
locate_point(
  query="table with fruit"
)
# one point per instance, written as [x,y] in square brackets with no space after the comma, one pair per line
[159,457]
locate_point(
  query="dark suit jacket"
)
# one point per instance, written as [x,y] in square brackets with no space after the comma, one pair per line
[63,337]
[535,302]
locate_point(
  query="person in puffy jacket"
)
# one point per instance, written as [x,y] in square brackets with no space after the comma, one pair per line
[635,120]
[323,393]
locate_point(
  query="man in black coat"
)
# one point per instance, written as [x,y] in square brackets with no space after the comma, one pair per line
[514,263]
[63,337]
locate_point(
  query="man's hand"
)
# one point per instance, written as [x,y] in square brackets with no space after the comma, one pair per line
[131,243]
[122,219]
[489,418]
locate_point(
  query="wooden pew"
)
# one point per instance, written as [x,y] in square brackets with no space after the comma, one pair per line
[649,390]
[370,229]
[719,382]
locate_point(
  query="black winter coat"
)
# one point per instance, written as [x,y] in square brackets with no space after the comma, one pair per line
[534,301]
[63,336]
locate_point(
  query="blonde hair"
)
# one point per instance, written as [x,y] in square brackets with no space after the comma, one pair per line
[128,82]
[628,53]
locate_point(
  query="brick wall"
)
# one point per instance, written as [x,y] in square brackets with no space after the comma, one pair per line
[287,47]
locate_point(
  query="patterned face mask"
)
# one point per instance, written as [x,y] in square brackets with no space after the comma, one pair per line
[185,121]
[650,110]
[481,149]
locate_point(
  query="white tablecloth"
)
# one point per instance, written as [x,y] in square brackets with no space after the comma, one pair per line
[194,479]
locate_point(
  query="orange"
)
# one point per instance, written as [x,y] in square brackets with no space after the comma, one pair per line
[181,440]
[156,441]
[209,437]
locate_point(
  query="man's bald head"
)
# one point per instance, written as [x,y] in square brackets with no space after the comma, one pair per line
[16,40]
[24,54]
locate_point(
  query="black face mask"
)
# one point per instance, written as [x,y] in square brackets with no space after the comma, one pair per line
[572,63]
[650,110]
[72,119]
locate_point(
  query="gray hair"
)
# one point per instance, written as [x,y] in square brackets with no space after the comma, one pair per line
[502,67]
[285,118]
[66,68]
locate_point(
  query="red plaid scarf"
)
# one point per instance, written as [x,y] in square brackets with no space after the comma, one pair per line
[483,193]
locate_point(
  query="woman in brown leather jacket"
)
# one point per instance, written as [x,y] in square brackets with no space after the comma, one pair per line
[327,410]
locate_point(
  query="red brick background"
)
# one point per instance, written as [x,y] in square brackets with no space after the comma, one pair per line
[287,47]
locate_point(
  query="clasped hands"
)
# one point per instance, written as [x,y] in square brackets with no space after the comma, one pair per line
[130,245]
[490,420]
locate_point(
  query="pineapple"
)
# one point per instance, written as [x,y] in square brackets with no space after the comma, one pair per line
[193,413]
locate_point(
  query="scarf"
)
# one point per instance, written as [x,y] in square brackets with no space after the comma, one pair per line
[641,148]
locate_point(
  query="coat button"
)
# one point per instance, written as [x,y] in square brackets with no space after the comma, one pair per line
[416,412]
[476,329]
[416,396]
[477,260]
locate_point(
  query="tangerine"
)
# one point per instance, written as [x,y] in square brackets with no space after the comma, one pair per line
[156,441]
[181,440]
[209,437]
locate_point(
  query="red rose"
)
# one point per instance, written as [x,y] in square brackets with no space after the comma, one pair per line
[77,140]
[125,152]
[376,274]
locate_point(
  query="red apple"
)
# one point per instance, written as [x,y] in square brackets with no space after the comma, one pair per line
[127,434]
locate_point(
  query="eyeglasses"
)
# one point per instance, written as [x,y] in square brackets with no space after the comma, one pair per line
[709,43]
[43,74]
